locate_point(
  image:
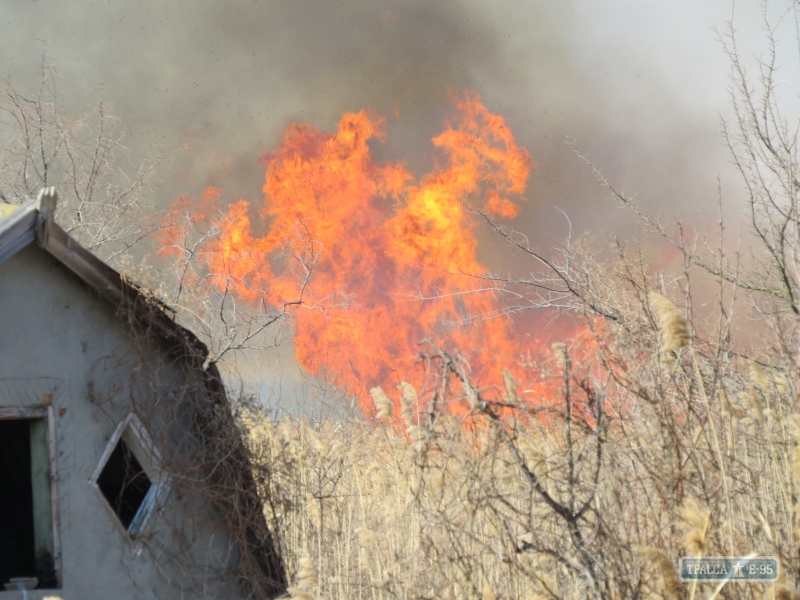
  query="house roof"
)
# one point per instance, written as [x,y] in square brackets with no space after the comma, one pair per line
[31,222]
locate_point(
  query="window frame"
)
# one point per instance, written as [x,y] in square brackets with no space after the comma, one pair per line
[135,436]
[44,411]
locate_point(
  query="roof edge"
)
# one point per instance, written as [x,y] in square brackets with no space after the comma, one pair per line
[34,221]
[17,230]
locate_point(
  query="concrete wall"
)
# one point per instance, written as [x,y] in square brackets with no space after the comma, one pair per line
[58,338]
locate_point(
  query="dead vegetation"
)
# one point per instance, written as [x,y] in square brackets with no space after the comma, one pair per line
[655,446]
[82,151]
[651,435]
[667,427]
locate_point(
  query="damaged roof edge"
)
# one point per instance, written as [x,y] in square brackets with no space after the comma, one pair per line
[33,221]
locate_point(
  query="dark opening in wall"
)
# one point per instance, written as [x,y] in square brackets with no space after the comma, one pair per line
[17,558]
[124,483]
[26,534]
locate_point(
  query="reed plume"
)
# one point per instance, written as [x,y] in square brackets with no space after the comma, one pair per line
[511,387]
[672,326]
[668,577]
[306,577]
[383,406]
[407,401]
[694,525]
[365,536]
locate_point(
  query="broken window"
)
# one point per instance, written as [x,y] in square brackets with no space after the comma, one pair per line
[127,477]
[124,483]
[26,522]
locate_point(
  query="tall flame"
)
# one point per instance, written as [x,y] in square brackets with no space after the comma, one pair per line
[383,260]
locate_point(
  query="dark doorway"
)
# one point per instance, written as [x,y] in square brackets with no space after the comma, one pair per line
[124,483]
[17,549]
[26,523]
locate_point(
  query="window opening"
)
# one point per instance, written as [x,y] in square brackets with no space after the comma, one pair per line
[26,525]
[129,479]
[124,483]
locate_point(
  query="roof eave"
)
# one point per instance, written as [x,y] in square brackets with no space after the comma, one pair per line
[17,230]
[33,221]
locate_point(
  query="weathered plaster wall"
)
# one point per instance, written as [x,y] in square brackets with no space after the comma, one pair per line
[57,337]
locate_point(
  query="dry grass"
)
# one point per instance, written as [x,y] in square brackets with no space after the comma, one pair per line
[658,436]
[651,443]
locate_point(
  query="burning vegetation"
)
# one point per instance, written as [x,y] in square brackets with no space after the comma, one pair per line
[371,259]
[504,467]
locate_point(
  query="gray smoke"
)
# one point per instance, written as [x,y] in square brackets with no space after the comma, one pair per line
[636,84]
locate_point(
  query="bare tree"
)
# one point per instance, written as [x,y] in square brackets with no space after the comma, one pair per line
[698,420]
[105,203]
[232,311]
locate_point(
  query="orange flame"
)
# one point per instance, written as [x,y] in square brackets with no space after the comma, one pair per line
[392,260]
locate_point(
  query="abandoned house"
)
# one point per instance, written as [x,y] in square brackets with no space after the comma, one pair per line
[122,471]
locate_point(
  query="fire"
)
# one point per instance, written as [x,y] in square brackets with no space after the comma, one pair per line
[382,260]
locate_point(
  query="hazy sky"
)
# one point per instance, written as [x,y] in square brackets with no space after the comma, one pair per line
[640,85]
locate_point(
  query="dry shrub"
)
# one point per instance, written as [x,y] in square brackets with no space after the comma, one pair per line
[665,437]
[595,491]
[105,198]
